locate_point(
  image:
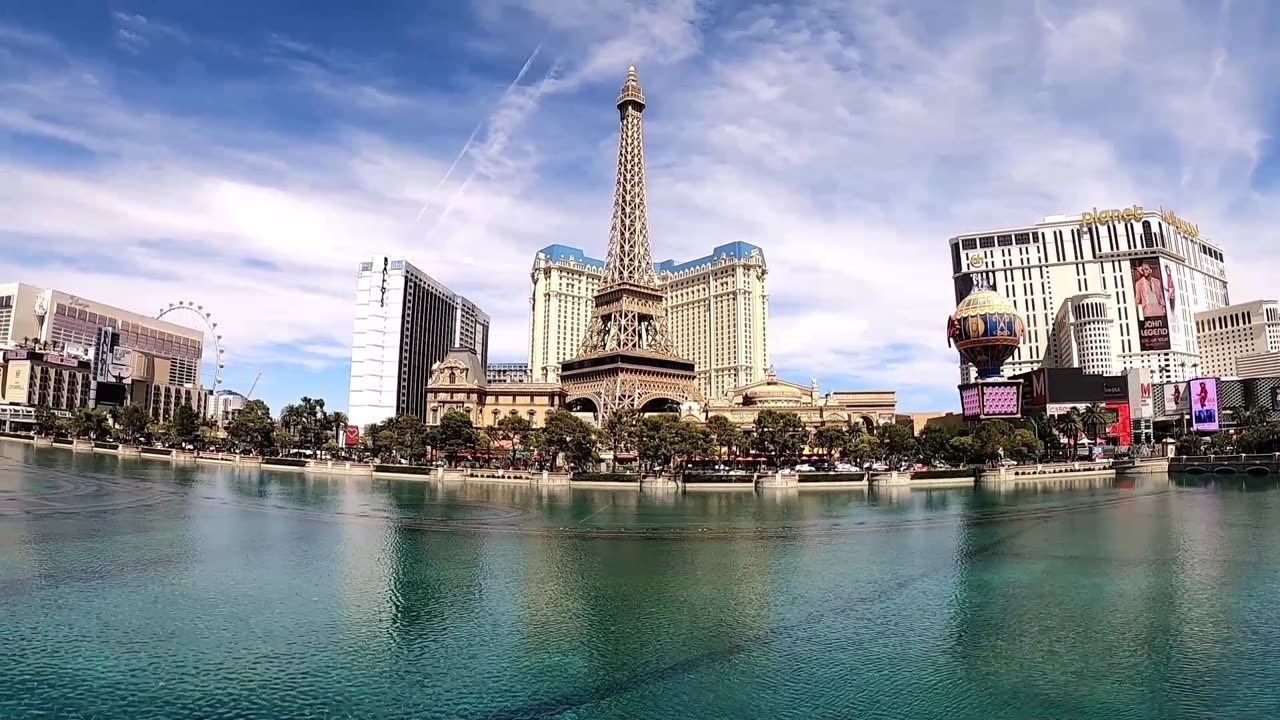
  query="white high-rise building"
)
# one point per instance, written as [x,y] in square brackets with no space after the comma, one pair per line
[1239,340]
[717,312]
[405,322]
[1103,290]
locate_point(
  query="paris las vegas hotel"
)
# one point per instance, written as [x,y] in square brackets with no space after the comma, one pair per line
[1103,290]
[717,312]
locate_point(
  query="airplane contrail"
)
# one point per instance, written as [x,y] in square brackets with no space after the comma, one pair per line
[524,69]
[457,194]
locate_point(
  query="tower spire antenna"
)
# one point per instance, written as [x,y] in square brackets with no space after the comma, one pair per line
[626,355]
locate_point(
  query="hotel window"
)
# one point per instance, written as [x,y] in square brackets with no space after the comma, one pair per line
[987,242]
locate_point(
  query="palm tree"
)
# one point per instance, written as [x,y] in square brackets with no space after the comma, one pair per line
[1071,425]
[1094,418]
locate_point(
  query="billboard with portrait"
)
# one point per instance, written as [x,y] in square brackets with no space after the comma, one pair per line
[1204,404]
[1152,304]
[1275,399]
[1175,399]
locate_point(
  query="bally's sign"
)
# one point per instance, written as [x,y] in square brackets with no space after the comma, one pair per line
[1186,228]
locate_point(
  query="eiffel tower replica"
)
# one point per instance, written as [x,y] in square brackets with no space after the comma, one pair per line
[626,359]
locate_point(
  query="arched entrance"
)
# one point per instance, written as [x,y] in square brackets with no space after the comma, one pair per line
[660,405]
[868,424]
[584,407]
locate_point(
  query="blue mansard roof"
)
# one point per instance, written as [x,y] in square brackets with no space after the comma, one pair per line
[735,250]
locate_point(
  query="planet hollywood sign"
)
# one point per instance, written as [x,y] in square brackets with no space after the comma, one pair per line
[1095,216]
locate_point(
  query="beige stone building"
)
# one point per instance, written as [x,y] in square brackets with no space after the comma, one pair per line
[717,310]
[869,408]
[49,334]
[45,379]
[458,383]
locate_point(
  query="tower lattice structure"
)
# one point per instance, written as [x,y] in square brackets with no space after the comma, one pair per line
[626,358]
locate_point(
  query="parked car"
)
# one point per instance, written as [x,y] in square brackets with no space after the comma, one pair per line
[845,467]
[804,467]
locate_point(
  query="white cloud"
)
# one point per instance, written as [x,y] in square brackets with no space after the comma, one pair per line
[849,140]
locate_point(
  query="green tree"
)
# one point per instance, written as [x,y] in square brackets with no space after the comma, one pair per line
[619,432]
[406,436]
[991,440]
[46,421]
[281,440]
[184,426]
[307,423]
[1250,418]
[1024,446]
[1094,418]
[252,429]
[1190,445]
[860,446]
[779,435]
[567,435]
[90,423]
[455,435]
[897,443]
[691,440]
[655,441]
[830,439]
[1219,443]
[131,422]
[933,444]
[1071,425]
[1261,439]
[726,435]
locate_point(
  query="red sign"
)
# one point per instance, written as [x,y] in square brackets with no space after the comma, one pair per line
[352,436]
[1122,428]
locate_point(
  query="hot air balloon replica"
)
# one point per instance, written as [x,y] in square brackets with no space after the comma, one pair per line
[986,330]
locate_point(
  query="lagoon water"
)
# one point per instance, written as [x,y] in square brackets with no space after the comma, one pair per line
[136,589]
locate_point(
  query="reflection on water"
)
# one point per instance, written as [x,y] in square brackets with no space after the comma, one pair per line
[135,589]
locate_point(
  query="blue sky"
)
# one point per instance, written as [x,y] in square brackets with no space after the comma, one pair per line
[249,155]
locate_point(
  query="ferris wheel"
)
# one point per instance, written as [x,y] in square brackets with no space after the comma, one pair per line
[186,306]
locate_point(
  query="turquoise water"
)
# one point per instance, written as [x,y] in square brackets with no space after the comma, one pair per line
[133,589]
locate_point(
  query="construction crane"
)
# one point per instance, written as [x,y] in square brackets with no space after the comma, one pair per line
[249,394]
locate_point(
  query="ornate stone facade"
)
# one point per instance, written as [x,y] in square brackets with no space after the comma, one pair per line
[870,408]
[458,383]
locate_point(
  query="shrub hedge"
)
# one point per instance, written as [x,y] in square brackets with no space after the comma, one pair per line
[832,477]
[285,462]
[63,441]
[20,436]
[405,469]
[107,445]
[702,478]
[606,477]
[940,474]
[157,451]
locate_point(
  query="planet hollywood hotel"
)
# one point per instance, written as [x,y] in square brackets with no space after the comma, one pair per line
[1103,290]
